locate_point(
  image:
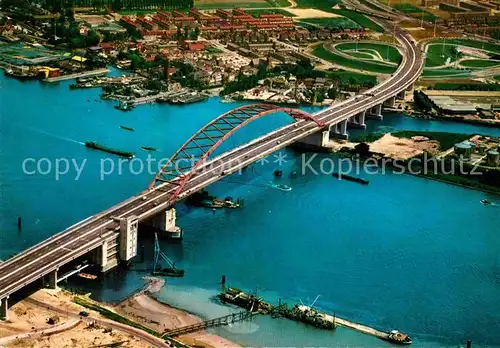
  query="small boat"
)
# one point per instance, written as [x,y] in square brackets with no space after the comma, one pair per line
[127,128]
[281,187]
[148,148]
[398,337]
[486,202]
[87,276]
[124,106]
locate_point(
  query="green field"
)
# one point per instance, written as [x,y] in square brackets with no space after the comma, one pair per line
[415,12]
[257,13]
[359,54]
[387,52]
[279,3]
[446,73]
[497,78]
[479,63]
[359,18]
[333,23]
[472,43]
[438,55]
[325,5]
[325,54]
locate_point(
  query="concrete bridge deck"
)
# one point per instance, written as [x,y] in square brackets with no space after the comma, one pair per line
[49,255]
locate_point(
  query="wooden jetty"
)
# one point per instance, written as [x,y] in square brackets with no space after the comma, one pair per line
[221,321]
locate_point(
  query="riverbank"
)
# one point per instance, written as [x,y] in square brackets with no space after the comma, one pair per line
[51,318]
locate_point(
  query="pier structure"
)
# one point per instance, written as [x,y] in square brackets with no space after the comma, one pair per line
[110,237]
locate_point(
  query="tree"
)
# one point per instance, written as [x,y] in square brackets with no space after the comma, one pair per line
[195,33]
[363,149]
[93,38]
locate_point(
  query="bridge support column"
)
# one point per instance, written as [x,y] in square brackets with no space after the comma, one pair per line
[166,222]
[315,141]
[358,121]
[391,102]
[128,238]
[101,257]
[376,112]
[339,130]
[50,280]
[402,94]
[4,308]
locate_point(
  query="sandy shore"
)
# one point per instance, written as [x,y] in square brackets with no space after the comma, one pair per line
[402,148]
[146,310]
[28,324]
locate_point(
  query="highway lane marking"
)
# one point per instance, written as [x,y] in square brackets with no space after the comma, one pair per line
[329,113]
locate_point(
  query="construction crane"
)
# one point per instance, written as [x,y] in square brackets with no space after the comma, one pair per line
[171,271]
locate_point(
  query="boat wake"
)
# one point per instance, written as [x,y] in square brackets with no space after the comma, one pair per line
[39,131]
[280,187]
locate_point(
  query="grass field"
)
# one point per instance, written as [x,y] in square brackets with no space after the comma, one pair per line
[359,18]
[472,43]
[361,55]
[448,73]
[325,54]
[438,55]
[257,13]
[497,78]
[213,4]
[387,52]
[479,63]
[279,3]
[325,5]
[415,12]
[333,23]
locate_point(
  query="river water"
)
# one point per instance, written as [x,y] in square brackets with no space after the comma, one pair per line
[403,252]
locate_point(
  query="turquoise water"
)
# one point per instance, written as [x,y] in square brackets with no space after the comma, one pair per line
[402,252]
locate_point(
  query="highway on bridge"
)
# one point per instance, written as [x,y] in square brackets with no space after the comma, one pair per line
[88,234]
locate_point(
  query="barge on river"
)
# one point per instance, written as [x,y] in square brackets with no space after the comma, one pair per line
[94,145]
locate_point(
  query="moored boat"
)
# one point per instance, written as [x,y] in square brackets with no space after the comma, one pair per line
[398,337]
[127,128]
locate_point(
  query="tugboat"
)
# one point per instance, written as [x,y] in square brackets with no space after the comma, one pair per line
[124,106]
[486,202]
[398,337]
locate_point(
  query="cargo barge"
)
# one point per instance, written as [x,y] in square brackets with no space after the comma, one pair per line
[350,178]
[94,145]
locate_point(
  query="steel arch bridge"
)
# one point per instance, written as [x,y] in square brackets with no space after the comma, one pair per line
[182,166]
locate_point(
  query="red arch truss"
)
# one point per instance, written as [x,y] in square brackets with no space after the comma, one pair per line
[193,153]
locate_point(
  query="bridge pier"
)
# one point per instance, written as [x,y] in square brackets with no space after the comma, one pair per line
[50,280]
[402,94]
[339,130]
[166,223]
[128,238]
[358,121]
[391,102]
[4,308]
[315,141]
[376,112]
